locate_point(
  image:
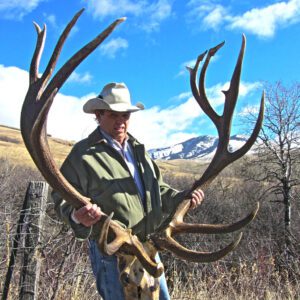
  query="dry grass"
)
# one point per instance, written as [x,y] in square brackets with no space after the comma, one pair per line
[12,147]
[253,271]
[182,166]
[239,283]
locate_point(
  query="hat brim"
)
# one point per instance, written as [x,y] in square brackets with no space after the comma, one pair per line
[96,103]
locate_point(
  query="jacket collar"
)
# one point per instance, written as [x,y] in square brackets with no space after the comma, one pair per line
[96,137]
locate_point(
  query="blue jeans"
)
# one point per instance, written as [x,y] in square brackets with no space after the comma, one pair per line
[105,269]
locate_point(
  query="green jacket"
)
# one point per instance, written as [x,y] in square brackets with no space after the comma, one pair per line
[99,172]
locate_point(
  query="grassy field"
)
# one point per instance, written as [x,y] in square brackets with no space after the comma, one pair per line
[12,148]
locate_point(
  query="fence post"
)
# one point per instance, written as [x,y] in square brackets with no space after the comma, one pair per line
[36,196]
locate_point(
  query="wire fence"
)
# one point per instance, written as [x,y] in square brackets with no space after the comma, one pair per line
[40,259]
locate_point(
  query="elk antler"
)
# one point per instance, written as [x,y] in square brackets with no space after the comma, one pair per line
[163,239]
[221,159]
[36,106]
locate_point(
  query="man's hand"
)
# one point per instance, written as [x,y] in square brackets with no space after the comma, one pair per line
[88,215]
[197,198]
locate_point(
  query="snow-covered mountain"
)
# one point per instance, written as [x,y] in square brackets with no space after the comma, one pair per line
[202,147]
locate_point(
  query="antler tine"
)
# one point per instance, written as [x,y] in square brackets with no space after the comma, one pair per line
[34,66]
[130,244]
[246,147]
[56,52]
[199,93]
[231,96]
[178,226]
[166,242]
[123,236]
[202,99]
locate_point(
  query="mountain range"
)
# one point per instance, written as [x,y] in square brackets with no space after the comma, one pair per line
[201,147]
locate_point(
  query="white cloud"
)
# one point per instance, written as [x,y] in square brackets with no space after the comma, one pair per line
[212,15]
[110,48]
[247,88]
[16,9]
[56,26]
[80,78]
[156,127]
[149,14]
[215,17]
[182,96]
[104,8]
[191,64]
[66,119]
[51,19]
[157,13]
[160,10]
[216,96]
[11,98]
[175,123]
[183,71]
[262,22]
[249,110]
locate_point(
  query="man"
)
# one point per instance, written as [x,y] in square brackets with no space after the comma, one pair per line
[113,169]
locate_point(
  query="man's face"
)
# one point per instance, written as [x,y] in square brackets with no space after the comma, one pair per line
[115,124]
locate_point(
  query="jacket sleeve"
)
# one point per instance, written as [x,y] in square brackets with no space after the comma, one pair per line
[64,209]
[170,197]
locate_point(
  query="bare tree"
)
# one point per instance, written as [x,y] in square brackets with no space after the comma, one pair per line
[278,148]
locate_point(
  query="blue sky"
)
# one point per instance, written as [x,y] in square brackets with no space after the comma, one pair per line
[149,52]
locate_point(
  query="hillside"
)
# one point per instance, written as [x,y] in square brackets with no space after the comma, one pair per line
[12,147]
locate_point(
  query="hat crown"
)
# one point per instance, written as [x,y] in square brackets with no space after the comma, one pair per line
[114,93]
[114,96]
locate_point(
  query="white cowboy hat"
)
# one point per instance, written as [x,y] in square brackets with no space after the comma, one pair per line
[114,96]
